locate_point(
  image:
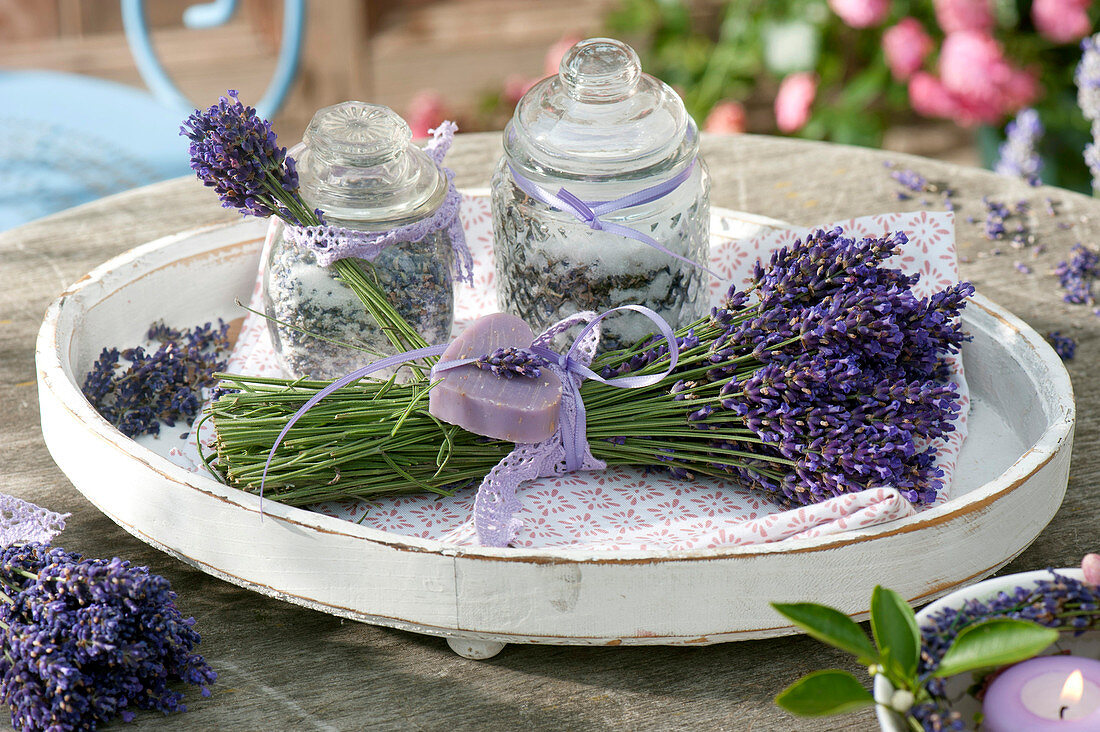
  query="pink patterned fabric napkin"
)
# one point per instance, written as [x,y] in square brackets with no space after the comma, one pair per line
[623,508]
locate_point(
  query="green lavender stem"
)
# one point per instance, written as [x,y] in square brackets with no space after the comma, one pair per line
[347,445]
[350,271]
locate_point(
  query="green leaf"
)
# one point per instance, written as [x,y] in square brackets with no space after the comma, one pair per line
[824,692]
[830,626]
[895,629]
[996,642]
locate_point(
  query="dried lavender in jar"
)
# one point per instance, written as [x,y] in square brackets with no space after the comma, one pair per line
[601,130]
[306,300]
[356,165]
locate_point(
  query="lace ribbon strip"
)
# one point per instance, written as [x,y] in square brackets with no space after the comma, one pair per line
[566,451]
[330,243]
[23,522]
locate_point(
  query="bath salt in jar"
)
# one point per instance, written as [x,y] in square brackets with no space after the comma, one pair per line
[601,198]
[358,167]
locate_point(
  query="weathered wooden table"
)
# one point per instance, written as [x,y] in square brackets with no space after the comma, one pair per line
[284,667]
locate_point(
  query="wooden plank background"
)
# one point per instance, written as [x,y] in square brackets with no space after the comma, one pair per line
[383,51]
[379,51]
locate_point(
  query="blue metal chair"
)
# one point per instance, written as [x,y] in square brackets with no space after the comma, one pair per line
[67,139]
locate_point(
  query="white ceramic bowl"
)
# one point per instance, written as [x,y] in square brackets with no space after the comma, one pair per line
[889,720]
[1011,479]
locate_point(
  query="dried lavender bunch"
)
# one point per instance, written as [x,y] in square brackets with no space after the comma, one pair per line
[510,362]
[163,386]
[1062,603]
[236,152]
[824,377]
[88,640]
[849,388]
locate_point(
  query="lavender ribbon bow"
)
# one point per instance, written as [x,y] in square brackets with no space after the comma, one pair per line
[589,212]
[566,451]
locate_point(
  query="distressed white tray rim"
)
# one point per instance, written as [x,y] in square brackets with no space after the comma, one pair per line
[458,590]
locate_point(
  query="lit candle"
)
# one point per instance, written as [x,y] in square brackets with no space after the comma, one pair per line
[1055,693]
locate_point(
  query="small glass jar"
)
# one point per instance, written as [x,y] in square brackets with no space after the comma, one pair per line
[601,129]
[356,165]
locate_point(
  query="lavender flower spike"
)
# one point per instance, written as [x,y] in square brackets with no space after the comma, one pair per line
[1087,77]
[234,151]
[1018,157]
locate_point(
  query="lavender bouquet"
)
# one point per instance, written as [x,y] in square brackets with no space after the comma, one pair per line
[824,377]
[88,640]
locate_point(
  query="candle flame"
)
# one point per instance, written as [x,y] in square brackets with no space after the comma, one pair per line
[1073,689]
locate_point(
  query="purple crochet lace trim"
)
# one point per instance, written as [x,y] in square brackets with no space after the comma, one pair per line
[22,522]
[330,243]
[496,503]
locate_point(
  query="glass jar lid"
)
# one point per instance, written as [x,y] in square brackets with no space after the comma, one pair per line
[357,164]
[600,117]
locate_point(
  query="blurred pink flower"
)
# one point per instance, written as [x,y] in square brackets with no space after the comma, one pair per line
[426,111]
[1091,566]
[906,45]
[556,52]
[861,13]
[726,118]
[793,102]
[1020,89]
[984,84]
[962,15]
[515,86]
[1062,21]
[930,97]
[971,62]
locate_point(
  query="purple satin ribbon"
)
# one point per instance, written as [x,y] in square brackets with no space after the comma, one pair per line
[574,369]
[589,212]
[573,436]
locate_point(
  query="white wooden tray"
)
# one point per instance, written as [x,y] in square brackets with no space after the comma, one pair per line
[1010,481]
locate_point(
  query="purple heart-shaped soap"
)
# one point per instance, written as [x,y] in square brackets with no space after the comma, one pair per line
[518,409]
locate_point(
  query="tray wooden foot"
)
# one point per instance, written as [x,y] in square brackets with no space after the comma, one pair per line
[474,649]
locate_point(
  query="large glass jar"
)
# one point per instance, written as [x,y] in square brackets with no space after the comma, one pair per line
[601,129]
[356,164]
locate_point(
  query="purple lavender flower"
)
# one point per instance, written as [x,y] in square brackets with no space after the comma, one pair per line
[88,640]
[164,386]
[996,213]
[1064,346]
[1060,602]
[1087,76]
[1018,157]
[234,151]
[511,362]
[850,385]
[1077,274]
[910,180]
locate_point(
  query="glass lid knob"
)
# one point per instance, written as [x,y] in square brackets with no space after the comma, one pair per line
[600,69]
[357,133]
